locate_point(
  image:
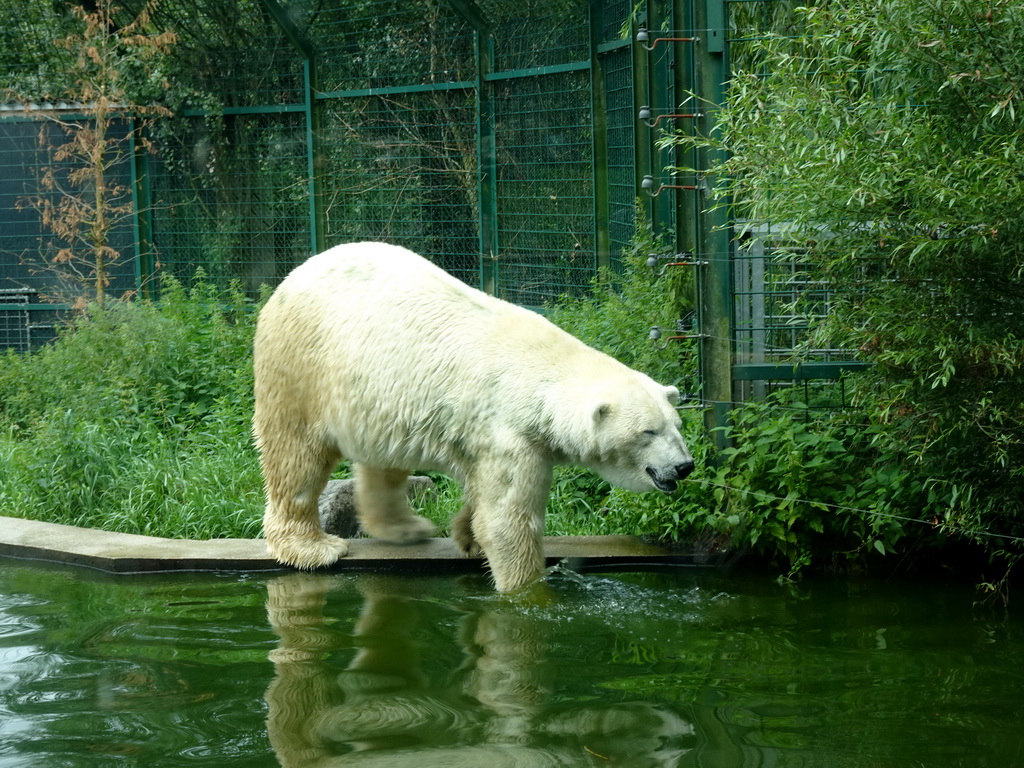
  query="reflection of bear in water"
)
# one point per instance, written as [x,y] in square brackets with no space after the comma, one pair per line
[381,710]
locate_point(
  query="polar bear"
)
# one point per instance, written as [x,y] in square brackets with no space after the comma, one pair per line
[370,352]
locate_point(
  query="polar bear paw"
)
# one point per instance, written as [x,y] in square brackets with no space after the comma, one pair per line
[407,530]
[309,552]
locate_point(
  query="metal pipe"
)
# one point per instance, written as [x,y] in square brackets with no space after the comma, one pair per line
[642,36]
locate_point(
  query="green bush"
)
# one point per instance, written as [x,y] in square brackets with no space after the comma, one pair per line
[883,138]
[806,488]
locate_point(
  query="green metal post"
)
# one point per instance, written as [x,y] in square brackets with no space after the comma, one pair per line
[487,165]
[142,214]
[314,158]
[487,161]
[599,112]
[715,239]
[660,70]
[688,203]
[643,143]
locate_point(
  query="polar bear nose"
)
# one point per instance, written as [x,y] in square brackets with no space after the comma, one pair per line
[684,469]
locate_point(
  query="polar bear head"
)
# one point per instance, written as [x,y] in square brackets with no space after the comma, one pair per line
[635,436]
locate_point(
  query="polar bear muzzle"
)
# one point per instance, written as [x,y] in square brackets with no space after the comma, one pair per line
[666,480]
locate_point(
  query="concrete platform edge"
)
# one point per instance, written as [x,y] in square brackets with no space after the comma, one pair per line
[130,553]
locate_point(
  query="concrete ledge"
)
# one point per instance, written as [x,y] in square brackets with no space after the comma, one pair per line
[129,553]
[125,552]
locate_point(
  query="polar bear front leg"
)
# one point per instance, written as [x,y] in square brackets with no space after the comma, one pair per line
[382,506]
[508,519]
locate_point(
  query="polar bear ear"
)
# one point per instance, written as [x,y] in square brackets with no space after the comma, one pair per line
[672,394]
[601,411]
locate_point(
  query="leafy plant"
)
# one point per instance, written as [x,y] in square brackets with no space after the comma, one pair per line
[618,314]
[807,489]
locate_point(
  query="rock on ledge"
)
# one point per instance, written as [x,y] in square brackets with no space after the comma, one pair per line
[338,507]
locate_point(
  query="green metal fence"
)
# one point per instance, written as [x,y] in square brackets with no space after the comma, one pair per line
[495,137]
[511,141]
[34,288]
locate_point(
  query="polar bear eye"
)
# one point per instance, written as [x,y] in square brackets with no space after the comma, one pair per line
[650,433]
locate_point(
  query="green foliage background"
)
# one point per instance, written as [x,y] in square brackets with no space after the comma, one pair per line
[885,138]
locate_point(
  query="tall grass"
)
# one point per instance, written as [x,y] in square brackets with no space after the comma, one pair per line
[137,420]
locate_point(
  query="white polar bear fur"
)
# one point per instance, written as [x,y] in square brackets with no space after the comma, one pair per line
[370,352]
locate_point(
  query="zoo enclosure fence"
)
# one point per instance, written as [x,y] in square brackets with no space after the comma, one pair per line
[510,141]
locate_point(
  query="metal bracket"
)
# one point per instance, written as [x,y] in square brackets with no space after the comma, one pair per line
[648,184]
[645,114]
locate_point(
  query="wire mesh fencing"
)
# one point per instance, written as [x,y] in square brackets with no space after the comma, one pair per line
[464,131]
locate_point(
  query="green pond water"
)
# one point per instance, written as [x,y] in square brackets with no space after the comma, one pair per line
[691,668]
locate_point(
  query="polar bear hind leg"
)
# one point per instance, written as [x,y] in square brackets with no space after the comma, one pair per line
[382,505]
[462,531]
[295,473]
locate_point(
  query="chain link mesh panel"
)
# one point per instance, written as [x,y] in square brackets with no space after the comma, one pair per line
[396,173]
[229,54]
[618,73]
[536,33]
[390,44]
[778,298]
[22,232]
[544,153]
[35,189]
[230,196]
[545,187]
